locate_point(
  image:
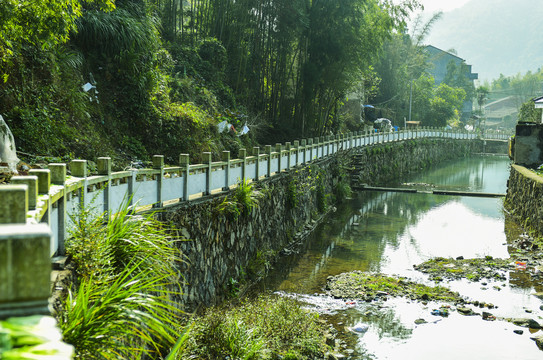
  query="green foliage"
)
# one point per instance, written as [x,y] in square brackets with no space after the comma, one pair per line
[292,195]
[246,196]
[123,306]
[264,328]
[528,112]
[322,196]
[242,201]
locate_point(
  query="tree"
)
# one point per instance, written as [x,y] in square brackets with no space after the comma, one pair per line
[43,24]
[445,105]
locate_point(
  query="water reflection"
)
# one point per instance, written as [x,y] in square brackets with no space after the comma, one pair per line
[388,233]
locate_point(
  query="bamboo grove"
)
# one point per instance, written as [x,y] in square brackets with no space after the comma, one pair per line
[292,61]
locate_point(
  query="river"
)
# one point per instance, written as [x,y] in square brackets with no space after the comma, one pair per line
[390,232]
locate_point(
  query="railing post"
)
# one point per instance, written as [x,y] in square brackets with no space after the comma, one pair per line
[184,162]
[79,169]
[279,149]
[288,147]
[25,271]
[158,164]
[297,149]
[206,159]
[32,183]
[58,177]
[226,159]
[14,204]
[303,147]
[104,169]
[243,156]
[310,145]
[256,153]
[44,183]
[269,153]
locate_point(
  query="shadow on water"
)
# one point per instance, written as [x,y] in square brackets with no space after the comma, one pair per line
[389,233]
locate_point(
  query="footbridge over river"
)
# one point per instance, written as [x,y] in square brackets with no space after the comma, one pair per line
[36,211]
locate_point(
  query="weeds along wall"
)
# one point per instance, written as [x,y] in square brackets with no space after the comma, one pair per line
[226,244]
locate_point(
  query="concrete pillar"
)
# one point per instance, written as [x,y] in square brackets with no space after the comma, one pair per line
[269,153]
[279,150]
[206,159]
[104,169]
[32,182]
[256,152]
[297,148]
[58,177]
[184,162]
[25,269]
[243,156]
[13,204]
[44,179]
[288,147]
[158,164]
[226,159]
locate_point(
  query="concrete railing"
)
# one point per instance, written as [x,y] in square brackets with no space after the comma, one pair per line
[49,196]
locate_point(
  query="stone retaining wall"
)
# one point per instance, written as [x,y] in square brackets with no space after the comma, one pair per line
[220,249]
[524,200]
[381,164]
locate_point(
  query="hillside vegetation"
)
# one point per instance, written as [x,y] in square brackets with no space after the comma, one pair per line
[133,78]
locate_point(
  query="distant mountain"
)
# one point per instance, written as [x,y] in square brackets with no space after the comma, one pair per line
[495,36]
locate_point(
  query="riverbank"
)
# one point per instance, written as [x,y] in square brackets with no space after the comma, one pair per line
[525,262]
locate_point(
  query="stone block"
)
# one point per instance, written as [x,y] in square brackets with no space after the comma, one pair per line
[25,268]
[44,179]
[13,204]
[32,182]
[58,174]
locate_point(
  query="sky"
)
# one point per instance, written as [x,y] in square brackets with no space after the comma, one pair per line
[431,6]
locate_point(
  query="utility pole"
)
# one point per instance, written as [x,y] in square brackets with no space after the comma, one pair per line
[410,98]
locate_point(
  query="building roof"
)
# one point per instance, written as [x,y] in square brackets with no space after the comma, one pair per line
[435,49]
[539,102]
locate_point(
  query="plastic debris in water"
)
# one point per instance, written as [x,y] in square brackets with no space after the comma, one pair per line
[359,328]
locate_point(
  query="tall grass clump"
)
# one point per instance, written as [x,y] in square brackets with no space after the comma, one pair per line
[268,327]
[123,305]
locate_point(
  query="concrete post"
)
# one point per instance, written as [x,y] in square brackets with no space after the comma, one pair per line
[13,204]
[44,183]
[25,269]
[104,169]
[256,153]
[184,162]
[288,147]
[297,148]
[269,153]
[279,150]
[243,156]
[303,147]
[32,183]
[206,159]
[226,158]
[158,164]
[79,169]
[58,177]
[44,179]
[310,145]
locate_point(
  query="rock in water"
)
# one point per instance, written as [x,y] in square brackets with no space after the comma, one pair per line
[359,328]
[8,154]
